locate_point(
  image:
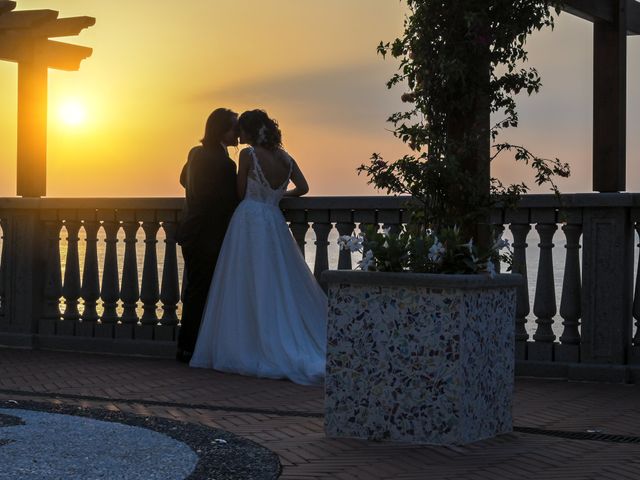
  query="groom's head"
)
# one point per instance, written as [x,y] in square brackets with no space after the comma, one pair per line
[222,127]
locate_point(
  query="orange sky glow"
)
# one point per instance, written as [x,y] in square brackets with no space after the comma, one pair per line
[123,124]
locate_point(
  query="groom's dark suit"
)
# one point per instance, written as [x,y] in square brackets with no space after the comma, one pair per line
[209,178]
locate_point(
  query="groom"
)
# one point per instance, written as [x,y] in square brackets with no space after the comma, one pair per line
[209,178]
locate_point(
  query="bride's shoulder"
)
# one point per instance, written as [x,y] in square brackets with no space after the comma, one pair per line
[245,157]
[282,153]
[246,152]
[286,156]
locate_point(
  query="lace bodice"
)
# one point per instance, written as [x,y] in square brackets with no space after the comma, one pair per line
[259,189]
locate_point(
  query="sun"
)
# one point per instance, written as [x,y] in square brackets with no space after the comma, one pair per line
[72,113]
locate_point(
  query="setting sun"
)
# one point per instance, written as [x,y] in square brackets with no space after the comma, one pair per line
[72,113]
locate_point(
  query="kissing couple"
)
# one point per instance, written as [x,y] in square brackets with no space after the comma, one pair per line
[251,304]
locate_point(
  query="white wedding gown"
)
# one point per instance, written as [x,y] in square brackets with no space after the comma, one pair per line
[265,314]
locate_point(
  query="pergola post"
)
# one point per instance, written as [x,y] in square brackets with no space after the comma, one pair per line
[25,39]
[32,130]
[607,274]
[610,101]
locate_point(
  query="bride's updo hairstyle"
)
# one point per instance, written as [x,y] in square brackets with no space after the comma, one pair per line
[260,129]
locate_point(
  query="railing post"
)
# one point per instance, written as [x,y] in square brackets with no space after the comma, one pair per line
[607,275]
[519,225]
[570,303]
[170,289]
[150,290]
[71,285]
[129,289]
[53,280]
[345,226]
[391,220]
[636,305]
[90,290]
[366,219]
[3,261]
[109,291]
[544,303]
[321,227]
[24,271]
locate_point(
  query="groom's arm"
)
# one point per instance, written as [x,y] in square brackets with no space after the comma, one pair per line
[183,175]
[243,172]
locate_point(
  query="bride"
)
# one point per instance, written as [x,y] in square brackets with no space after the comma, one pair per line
[265,314]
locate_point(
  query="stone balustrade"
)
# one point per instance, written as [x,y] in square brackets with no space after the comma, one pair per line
[106,274]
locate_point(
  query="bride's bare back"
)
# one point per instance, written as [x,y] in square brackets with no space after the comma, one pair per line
[275,166]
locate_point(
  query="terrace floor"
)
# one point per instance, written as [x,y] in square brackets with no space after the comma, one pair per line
[287,419]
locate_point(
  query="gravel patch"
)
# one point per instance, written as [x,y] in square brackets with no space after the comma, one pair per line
[46,442]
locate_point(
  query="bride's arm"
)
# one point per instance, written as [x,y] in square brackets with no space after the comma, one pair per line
[301,185]
[244,163]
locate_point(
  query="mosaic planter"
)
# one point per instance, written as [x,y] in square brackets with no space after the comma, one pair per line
[419,358]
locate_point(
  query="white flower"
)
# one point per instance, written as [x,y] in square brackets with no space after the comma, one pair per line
[436,251]
[367,261]
[343,242]
[354,244]
[501,243]
[491,268]
[386,231]
[469,245]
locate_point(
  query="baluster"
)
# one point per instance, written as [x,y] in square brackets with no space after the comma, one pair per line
[392,228]
[110,291]
[520,232]
[498,231]
[90,281]
[391,220]
[170,293]
[544,306]
[364,227]
[322,230]
[344,257]
[53,280]
[636,297]
[571,299]
[71,288]
[150,292]
[299,231]
[3,264]
[365,219]
[129,291]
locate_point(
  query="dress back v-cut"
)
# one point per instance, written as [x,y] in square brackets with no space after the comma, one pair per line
[265,314]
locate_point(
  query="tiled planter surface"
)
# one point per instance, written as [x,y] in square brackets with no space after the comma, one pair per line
[419,358]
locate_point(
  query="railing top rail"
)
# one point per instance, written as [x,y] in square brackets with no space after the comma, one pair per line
[575,200]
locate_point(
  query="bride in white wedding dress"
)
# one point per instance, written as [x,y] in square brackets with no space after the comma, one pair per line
[265,314]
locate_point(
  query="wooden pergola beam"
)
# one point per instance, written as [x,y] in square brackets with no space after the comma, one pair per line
[62,27]
[26,18]
[633,18]
[607,11]
[590,10]
[23,48]
[6,6]
[63,56]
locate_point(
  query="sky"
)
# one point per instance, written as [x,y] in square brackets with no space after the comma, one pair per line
[159,68]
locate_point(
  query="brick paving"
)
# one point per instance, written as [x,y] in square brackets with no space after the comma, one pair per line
[287,419]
